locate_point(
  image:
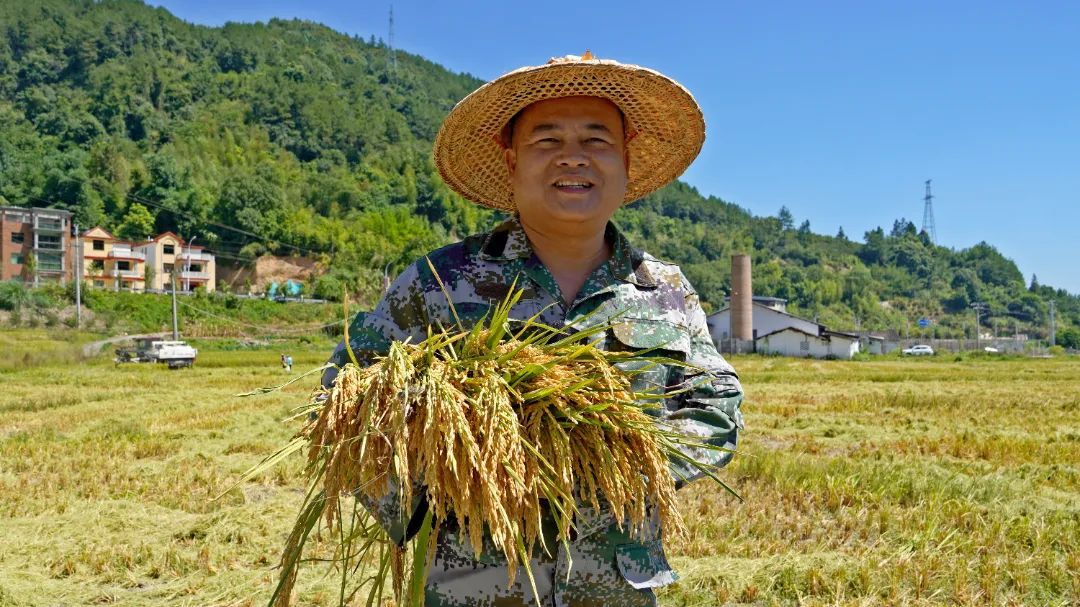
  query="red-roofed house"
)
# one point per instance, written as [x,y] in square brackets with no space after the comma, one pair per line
[110,263]
[168,253]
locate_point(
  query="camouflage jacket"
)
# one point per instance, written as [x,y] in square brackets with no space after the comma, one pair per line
[649,304]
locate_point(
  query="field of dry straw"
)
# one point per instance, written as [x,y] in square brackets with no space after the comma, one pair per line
[928,482]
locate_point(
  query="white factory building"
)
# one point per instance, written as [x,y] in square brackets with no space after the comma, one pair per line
[777,332]
[762,324]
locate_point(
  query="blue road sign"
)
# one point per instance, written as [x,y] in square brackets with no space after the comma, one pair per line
[924,322]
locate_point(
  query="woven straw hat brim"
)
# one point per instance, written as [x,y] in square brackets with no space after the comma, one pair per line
[665,124]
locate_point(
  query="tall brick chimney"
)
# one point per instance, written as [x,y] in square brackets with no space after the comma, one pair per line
[742,313]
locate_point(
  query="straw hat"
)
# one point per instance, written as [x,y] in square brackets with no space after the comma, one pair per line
[664,125]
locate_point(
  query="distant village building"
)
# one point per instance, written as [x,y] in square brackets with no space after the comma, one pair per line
[792,341]
[36,245]
[777,332]
[110,263]
[117,265]
[768,315]
[167,253]
[880,343]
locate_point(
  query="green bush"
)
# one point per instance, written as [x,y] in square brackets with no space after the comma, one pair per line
[13,295]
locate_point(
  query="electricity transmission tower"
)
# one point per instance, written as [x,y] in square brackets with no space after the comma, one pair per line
[928,215]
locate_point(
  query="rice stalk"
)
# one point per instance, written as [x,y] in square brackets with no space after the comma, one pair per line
[498,429]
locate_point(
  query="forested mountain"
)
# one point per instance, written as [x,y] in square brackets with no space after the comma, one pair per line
[289,137]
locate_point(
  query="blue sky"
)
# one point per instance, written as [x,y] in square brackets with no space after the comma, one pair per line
[838,110]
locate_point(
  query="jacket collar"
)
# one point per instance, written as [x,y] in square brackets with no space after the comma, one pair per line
[508,241]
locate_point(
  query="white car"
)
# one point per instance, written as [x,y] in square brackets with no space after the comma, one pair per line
[919,350]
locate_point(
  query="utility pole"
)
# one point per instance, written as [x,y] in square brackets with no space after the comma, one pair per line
[1053,329]
[78,266]
[175,329]
[977,307]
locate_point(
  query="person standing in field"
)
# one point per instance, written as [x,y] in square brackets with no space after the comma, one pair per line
[560,148]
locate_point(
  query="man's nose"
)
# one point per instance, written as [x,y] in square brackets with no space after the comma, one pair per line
[573,154]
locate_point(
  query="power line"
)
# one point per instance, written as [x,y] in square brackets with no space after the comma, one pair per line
[163,207]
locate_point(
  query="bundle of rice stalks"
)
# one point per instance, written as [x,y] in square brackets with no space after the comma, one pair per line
[499,429]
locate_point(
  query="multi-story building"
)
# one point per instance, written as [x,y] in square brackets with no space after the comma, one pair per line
[36,245]
[110,263]
[167,253]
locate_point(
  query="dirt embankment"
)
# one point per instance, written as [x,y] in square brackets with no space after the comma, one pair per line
[257,277]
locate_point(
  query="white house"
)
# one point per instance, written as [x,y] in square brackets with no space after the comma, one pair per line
[765,318]
[777,332]
[793,341]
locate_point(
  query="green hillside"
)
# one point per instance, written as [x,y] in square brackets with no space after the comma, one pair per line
[289,137]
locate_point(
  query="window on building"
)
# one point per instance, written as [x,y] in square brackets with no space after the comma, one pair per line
[17,259]
[123,266]
[99,284]
[53,225]
[50,262]
[97,266]
[99,245]
[195,267]
[18,238]
[167,268]
[49,241]
[169,249]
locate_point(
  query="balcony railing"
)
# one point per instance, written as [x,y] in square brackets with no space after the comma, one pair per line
[127,253]
[49,225]
[194,275]
[128,273]
[186,255]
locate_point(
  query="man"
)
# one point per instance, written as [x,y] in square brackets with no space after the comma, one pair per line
[562,147]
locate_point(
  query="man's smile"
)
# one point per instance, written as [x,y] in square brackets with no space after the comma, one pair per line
[573,185]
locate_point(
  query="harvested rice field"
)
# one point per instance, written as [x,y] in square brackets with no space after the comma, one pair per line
[926,482]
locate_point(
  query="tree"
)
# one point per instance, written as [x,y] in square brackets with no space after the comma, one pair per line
[252,202]
[30,267]
[840,235]
[787,221]
[1069,338]
[902,227]
[138,223]
[1034,283]
[148,277]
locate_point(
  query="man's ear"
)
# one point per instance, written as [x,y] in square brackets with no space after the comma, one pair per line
[626,161]
[511,160]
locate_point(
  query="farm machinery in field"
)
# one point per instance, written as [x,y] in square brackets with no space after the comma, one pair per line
[174,353]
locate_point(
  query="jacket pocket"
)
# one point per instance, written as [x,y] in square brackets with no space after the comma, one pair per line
[654,338]
[644,565]
[652,334]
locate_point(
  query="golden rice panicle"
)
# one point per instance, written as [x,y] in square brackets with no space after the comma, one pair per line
[501,434]
[445,449]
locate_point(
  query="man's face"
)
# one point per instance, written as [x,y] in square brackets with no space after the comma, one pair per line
[568,163]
